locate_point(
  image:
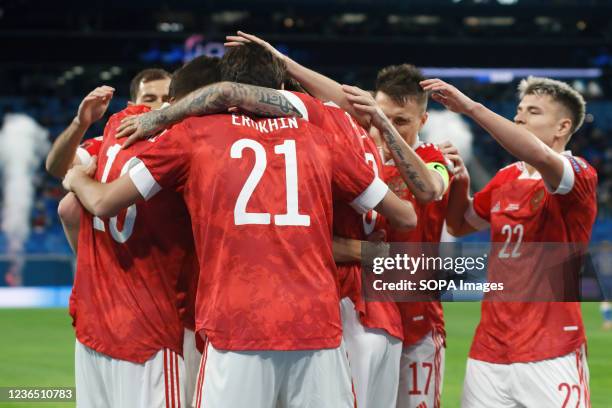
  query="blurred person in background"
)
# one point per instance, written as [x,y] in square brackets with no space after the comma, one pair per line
[602,260]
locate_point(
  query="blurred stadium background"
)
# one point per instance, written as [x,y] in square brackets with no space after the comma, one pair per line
[54,53]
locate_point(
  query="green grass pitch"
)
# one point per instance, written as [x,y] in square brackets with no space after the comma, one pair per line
[37,349]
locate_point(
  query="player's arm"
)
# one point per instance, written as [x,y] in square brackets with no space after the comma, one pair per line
[346,249]
[427,181]
[69,213]
[63,152]
[517,140]
[459,203]
[459,200]
[349,250]
[399,213]
[215,98]
[355,182]
[101,199]
[318,85]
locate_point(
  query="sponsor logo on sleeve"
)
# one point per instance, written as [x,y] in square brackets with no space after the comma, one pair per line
[575,164]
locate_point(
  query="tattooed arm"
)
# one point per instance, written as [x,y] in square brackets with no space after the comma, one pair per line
[426,184]
[318,85]
[215,98]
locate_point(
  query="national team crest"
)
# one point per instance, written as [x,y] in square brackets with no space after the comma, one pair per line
[537,198]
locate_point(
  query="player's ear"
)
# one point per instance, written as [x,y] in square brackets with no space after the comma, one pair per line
[424,118]
[564,128]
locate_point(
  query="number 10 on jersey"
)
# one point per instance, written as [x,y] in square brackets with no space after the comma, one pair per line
[292,216]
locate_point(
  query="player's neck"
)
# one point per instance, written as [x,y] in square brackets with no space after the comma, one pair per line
[530,169]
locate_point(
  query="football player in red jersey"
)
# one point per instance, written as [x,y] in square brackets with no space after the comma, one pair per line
[149,87]
[404,102]
[372,331]
[177,383]
[527,354]
[125,301]
[402,105]
[373,349]
[200,71]
[271,316]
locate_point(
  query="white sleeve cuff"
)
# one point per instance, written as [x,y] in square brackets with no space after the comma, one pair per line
[475,220]
[370,197]
[567,179]
[144,181]
[83,156]
[297,103]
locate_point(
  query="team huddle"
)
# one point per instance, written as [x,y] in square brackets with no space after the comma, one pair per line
[218,225]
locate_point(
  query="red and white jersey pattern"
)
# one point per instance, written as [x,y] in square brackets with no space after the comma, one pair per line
[125,301]
[88,149]
[521,208]
[350,224]
[259,192]
[419,318]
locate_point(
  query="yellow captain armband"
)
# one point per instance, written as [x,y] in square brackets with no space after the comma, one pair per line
[441,170]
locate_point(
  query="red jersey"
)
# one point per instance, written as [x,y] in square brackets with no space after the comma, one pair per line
[419,318]
[124,301]
[521,209]
[88,149]
[259,192]
[189,282]
[349,224]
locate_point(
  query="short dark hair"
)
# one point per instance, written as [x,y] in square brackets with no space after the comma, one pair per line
[292,85]
[560,92]
[252,64]
[146,75]
[198,72]
[401,83]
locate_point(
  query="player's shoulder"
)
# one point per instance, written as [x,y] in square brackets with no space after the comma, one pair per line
[129,111]
[429,152]
[507,174]
[580,165]
[309,107]
[512,170]
[427,147]
[334,110]
[93,141]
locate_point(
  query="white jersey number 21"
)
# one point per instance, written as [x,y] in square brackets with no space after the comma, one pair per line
[292,217]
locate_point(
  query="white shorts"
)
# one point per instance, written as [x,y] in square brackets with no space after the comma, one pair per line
[192,358]
[374,358]
[561,382]
[102,381]
[422,373]
[274,379]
